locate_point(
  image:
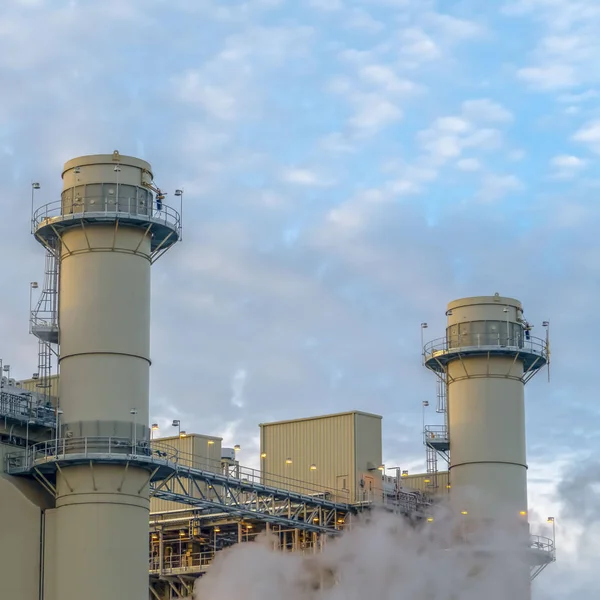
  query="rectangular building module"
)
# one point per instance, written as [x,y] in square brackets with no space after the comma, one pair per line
[337,454]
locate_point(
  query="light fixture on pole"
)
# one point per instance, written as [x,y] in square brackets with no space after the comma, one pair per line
[423,326]
[179,193]
[237,448]
[546,326]
[58,413]
[134,412]
[177,423]
[32,286]
[153,428]
[34,186]
[552,520]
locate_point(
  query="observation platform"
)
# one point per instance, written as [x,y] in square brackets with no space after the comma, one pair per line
[163,222]
[436,437]
[47,457]
[44,330]
[533,351]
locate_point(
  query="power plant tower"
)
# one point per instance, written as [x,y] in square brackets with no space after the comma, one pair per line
[107,230]
[485,360]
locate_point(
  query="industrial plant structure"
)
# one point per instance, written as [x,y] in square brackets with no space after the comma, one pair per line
[97,506]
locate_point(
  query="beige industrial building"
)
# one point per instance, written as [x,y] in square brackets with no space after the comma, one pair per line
[340,454]
[95,506]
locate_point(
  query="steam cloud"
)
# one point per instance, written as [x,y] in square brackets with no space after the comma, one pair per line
[385,559]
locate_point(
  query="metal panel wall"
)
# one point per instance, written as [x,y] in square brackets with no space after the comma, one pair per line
[427,482]
[329,443]
[31,385]
[368,453]
[326,442]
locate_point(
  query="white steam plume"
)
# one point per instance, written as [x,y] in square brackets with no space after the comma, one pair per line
[385,559]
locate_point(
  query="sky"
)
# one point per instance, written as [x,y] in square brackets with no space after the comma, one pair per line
[349,167]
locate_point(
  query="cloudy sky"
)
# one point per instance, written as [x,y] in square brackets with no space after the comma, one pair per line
[349,167]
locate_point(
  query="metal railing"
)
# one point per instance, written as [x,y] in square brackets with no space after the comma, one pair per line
[435,433]
[116,448]
[26,410]
[96,206]
[544,544]
[532,345]
[250,476]
[174,563]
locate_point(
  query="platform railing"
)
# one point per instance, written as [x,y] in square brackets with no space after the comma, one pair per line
[180,562]
[255,477]
[94,206]
[544,544]
[116,448]
[435,433]
[444,345]
[25,409]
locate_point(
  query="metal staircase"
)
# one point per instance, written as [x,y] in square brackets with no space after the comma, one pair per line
[44,322]
[435,437]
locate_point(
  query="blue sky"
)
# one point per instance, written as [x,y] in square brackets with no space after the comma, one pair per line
[349,167]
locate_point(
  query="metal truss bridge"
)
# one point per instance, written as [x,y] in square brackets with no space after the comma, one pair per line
[248,493]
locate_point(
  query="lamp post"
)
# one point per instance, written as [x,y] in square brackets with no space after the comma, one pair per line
[177,423]
[552,520]
[133,412]
[58,413]
[179,193]
[34,186]
[32,286]
[423,326]
[546,326]
[153,428]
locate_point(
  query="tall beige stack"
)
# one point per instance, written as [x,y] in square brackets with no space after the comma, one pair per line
[109,229]
[485,359]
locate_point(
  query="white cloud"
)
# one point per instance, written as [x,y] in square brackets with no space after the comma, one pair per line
[305,177]
[566,53]
[549,77]
[453,27]
[219,102]
[328,5]
[486,110]
[495,187]
[448,136]
[386,80]
[360,19]
[588,133]
[577,98]
[417,46]
[566,166]
[565,161]
[374,112]
[468,165]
